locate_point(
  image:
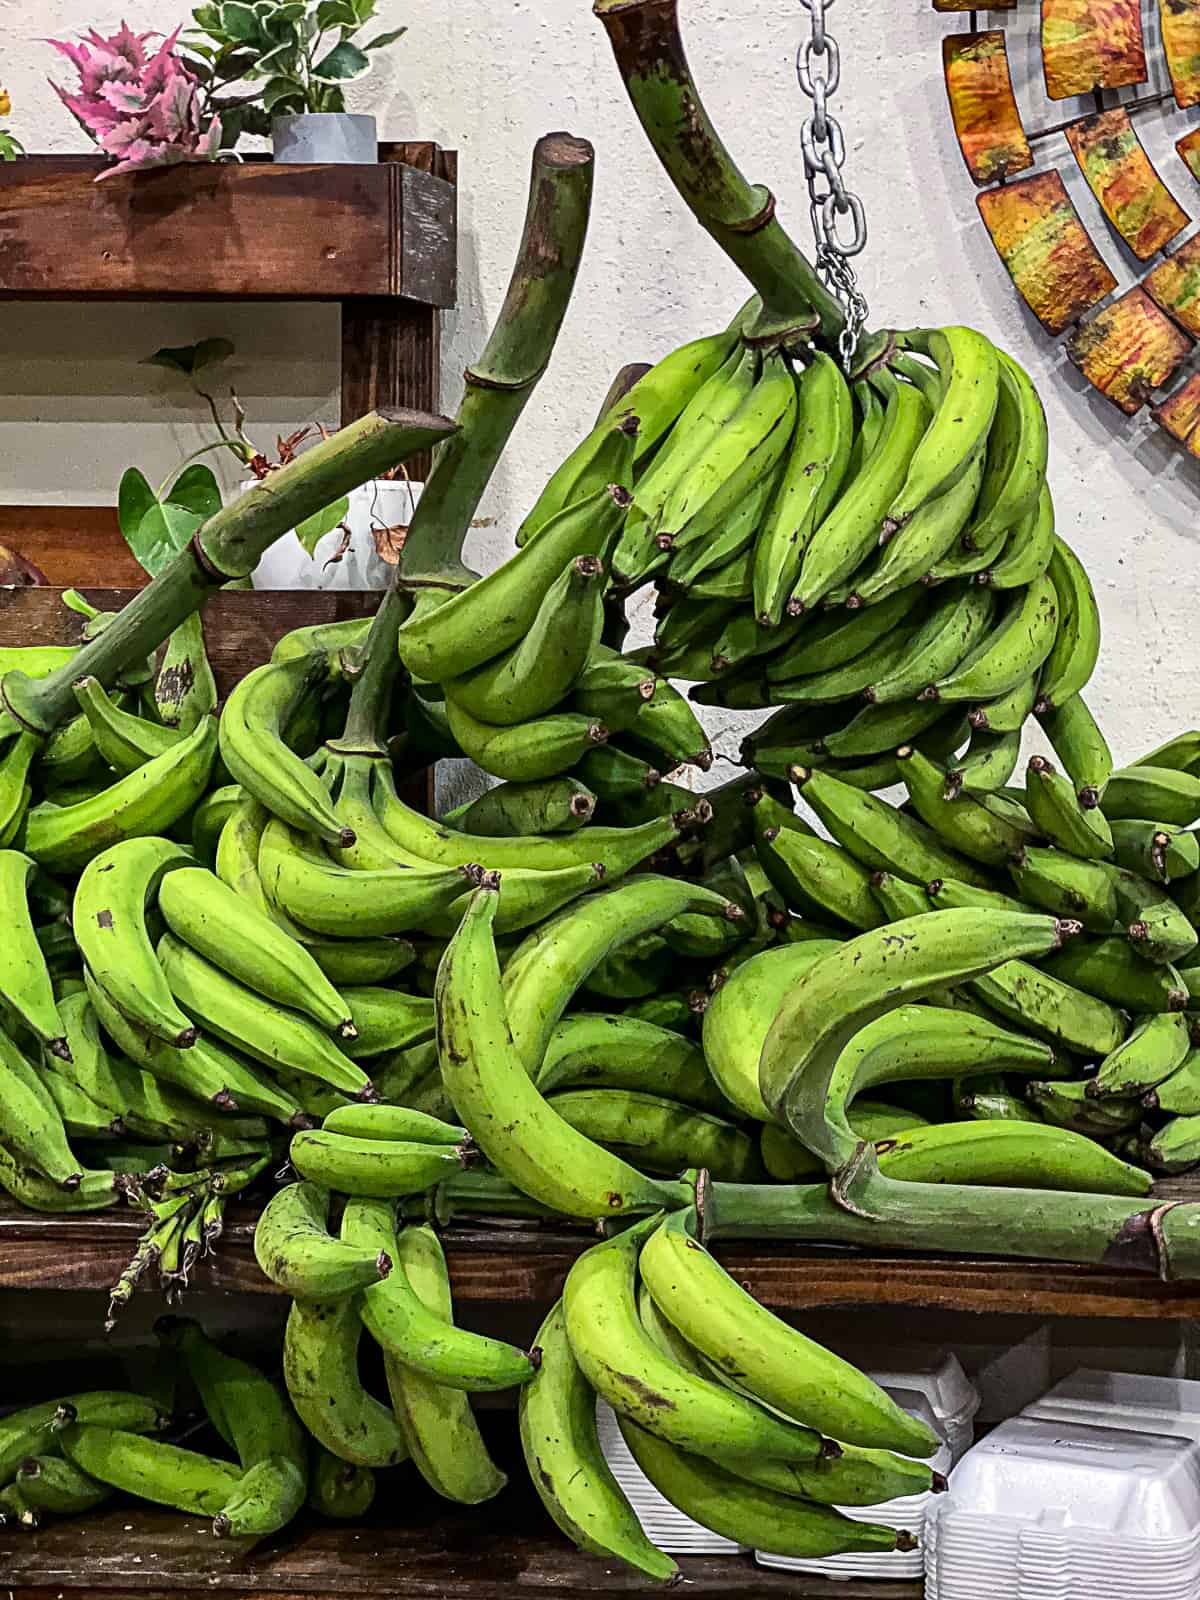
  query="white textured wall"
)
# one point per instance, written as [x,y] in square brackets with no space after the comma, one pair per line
[489,80]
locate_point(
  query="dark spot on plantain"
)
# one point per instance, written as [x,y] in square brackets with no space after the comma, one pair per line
[104,919]
[648,1396]
[174,683]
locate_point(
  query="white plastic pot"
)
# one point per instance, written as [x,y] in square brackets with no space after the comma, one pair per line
[382,504]
[326,136]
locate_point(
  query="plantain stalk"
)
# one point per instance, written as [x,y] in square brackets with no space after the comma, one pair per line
[500,382]
[228,545]
[1033,1224]
[740,216]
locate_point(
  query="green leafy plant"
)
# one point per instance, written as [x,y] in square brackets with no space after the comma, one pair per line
[158,523]
[10,146]
[274,58]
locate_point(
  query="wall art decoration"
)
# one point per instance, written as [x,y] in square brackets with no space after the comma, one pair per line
[1091,44]
[1128,350]
[1135,199]
[1042,242]
[1179,21]
[983,106]
[1114,272]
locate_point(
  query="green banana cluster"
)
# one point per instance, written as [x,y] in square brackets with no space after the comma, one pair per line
[735,1417]
[238,947]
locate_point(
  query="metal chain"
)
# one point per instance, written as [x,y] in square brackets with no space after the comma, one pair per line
[819,71]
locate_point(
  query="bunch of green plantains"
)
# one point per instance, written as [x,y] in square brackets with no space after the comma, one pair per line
[965,1019]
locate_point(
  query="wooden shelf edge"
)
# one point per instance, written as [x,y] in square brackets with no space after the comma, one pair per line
[515,1264]
[231,230]
[413,1546]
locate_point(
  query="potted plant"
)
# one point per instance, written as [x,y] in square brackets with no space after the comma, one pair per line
[350,544]
[281,66]
[141,106]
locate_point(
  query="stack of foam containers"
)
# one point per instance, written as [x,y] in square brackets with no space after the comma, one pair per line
[1092,1493]
[908,1513]
[662,1524]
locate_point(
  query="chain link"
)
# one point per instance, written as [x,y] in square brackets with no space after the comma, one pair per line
[834,209]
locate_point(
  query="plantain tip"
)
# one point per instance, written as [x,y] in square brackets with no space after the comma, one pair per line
[368,1094]
[906,1541]
[346,839]
[597,733]
[346,1029]
[831,1450]
[61,1049]
[1066,928]
[938,1483]
[383,1264]
[72,1183]
[1089,797]
[224,1101]
[186,1038]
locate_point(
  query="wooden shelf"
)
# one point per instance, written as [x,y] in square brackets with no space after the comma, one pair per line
[241,627]
[414,1547]
[515,1264]
[246,230]
[380,240]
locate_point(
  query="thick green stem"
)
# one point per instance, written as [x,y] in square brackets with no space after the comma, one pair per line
[500,383]
[739,215]
[365,732]
[229,545]
[234,540]
[1032,1224]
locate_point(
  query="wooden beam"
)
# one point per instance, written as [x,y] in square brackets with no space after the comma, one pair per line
[257,230]
[505,1265]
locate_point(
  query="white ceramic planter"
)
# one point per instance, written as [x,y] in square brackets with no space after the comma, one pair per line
[384,503]
[326,136]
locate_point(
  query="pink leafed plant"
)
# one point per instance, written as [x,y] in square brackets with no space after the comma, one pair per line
[140,105]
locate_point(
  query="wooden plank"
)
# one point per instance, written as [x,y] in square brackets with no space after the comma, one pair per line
[241,628]
[1042,243]
[415,1545]
[72,545]
[248,230]
[509,1264]
[391,349]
